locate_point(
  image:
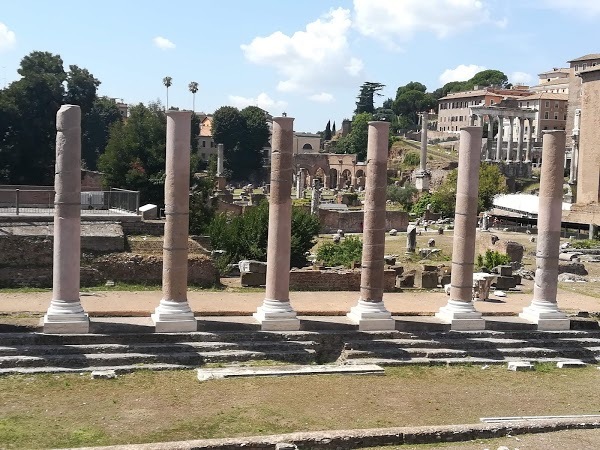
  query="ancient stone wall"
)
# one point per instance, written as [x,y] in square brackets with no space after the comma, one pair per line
[334,280]
[353,221]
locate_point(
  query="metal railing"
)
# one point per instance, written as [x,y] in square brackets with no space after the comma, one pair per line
[41,201]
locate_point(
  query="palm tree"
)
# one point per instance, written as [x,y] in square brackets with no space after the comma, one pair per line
[167,81]
[193,87]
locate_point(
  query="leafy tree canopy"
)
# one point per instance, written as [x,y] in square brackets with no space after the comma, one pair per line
[485,78]
[365,102]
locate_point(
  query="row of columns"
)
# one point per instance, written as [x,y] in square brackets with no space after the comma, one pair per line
[65,314]
[520,152]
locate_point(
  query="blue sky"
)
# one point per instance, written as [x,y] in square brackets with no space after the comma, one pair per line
[305,57]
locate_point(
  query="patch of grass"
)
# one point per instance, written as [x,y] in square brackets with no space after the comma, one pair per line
[44,411]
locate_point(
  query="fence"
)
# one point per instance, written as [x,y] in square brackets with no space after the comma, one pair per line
[41,201]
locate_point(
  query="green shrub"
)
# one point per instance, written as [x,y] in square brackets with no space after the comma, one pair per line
[348,251]
[420,206]
[492,259]
[402,195]
[586,243]
[411,159]
[245,236]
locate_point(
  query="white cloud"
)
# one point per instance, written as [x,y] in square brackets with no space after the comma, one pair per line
[521,78]
[262,100]
[400,20]
[583,8]
[8,39]
[323,97]
[163,43]
[460,73]
[311,59]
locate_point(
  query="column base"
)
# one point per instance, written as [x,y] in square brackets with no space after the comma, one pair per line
[371,316]
[547,316]
[173,317]
[64,317]
[422,181]
[275,315]
[461,316]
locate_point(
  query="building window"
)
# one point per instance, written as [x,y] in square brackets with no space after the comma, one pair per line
[583,66]
[556,105]
[565,116]
[576,67]
[528,104]
[546,115]
[547,103]
[555,116]
[203,143]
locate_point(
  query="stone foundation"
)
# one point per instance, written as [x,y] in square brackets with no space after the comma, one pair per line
[335,280]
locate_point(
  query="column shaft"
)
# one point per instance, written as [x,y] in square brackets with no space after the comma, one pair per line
[173,312]
[370,313]
[499,139]
[509,144]
[424,123]
[276,312]
[544,310]
[490,138]
[459,311]
[520,138]
[65,314]
[529,143]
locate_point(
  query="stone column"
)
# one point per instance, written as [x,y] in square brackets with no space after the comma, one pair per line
[65,314]
[499,138]
[276,313]
[529,143]
[575,148]
[422,177]
[174,313]
[459,311]
[221,182]
[490,138]
[300,184]
[544,309]
[509,145]
[370,313]
[520,138]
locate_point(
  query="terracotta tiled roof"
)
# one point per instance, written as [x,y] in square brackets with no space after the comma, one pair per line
[586,57]
[546,96]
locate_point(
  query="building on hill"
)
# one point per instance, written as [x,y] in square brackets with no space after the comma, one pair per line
[555,81]
[206,144]
[551,113]
[577,65]
[453,109]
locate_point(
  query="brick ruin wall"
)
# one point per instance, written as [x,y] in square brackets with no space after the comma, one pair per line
[334,280]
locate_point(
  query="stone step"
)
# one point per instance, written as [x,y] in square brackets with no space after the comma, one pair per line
[180,347]
[440,353]
[390,362]
[7,339]
[127,368]
[186,358]
[476,343]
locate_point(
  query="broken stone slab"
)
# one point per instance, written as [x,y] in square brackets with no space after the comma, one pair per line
[429,280]
[103,374]
[247,265]
[572,267]
[253,279]
[278,371]
[571,256]
[518,366]
[570,364]
[393,232]
[390,260]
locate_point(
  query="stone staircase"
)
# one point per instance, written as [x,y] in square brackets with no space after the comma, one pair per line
[485,347]
[124,352]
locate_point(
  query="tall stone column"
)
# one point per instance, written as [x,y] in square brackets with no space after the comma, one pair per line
[65,314]
[509,144]
[575,148]
[221,181]
[529,143]
[499,138]
[174,313]
[490,138]
[459,311]
[544,309]
[370,313]
[276,313]
[520,138]
[422,177]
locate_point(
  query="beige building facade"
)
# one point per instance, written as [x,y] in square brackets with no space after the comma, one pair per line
[577,65]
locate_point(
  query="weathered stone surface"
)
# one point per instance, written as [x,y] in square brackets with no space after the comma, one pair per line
[429,280]
[505,283]
[445,279]
[574,268]
[505,271]
[247,265]
[253,279]
[406,280]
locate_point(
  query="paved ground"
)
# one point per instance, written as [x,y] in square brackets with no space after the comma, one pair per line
[214,303]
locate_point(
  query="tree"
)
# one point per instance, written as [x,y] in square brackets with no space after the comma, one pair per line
[402,195]
[366,97]
[168,82]
[81,88]
[333,130]
[412,99]
[96,129]
[244,134]
[359,135]
[193,87]
[135,154]
[327,132]
[491,183]
[485,78]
